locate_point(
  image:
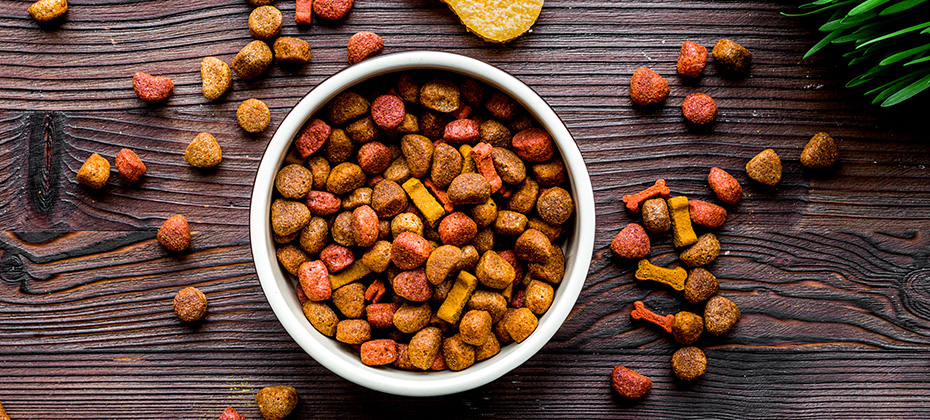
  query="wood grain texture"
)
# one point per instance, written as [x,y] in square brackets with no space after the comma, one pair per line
[831,271]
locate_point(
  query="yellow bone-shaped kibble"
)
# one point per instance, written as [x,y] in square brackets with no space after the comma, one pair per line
[425,202]
[451,308]
[675,278]
[682,232]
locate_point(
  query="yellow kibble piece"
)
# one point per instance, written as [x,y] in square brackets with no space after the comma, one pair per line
[424,201]
[682,232]
[354,272]
[451,308]
[468,163]
[675,278]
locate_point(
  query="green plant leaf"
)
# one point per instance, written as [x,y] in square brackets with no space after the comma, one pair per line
[908,92]
[903,55]
[897,33]
[916,61]
[900,7]
[866,6]
[823,43]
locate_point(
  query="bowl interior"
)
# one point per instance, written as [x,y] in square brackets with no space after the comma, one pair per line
[279,285]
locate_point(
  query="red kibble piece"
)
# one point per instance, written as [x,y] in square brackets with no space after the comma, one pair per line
[175,234]
[412,285]
[481,154]
[641,312]
[409,251]
[517,299]
[378,352]
[375,291]
[230,414]
[692,59]
[365,226]
[314,279]
[332,9]
[647,87]
[381,315]
[699,108]
[629,384]
[304,12]
[706,214]
[633,202]
[440,195]
[724,186]
[457,229]
[322,203]
[501,106]
[388,111]
[336,257]
[374,157]
[129,165]
[462,131]
[312,137]
[152,88]
[631,243]
[463,112]
[363,45]
[301,296]
[533,145]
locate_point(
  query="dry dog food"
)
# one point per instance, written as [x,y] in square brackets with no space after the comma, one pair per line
[129,165]
[631,243]
[656,218]
[290,50]
[703,252]
[685,326]
[724,186]
[700,286]
[216,76]
[689,363]
[95,172]
[629,384]
[647,87]
[674,278]
[151,88]
[203,151]
[699,108]
[190,304]
[720,315]
[362,45]
[253,115]
[633,202]
[276,402]
[706,214]
[682,232]
[820,152]
[228,414]
[265,22]
[732,57]
[47,10]
[765,168]
[175,234]
[252,60]
[332,9]
[497,21]
[419,252]
[303,13]
[691,59]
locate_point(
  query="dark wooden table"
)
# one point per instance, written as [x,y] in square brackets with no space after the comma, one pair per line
[831,271]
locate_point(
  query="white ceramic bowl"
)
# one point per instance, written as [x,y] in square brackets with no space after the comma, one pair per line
[279,285]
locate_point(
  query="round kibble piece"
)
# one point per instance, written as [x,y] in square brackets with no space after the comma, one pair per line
[555,205]
[820,152]
[253,115]
[508,165]
[689,363]
[374,157]
[520,324]
[344,178]
[252,60]
[190,304]
[720,315]
[322,317]
[550,174]
[216,76]
[294,181]
[276,402]
[691,59]
[655,215]
[353,331]
[265,22]
[687,327]
[700,285]
[48,10]
[418,151]
[703,252]
[475,327]
[631,243]
[362,45]
[765,168]
[406,222]
[732,57]
[447,164]
[95,172]
[291,50]
[410,318]
[533,145]
[706,214]
[457,353]
[440,95]
[175,234]
[538,297]
[288,216]
[533,246]
[494,133]
[388,111]
[457,229]
[313,237]
[647,87]
[347,107]
[409,251]
[129,165]
[424,347]
[469,188]
[388,198]
[291,258]
[494,271]
[699,108]
[203,151]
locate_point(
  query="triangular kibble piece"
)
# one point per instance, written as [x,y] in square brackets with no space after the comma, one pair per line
[497,20]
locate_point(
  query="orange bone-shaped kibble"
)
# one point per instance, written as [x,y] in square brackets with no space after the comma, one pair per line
[633,202]
[641,312]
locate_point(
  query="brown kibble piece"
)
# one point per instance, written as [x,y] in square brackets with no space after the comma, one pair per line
[501,106]
[689,363]
[424,347]
[820,152]
[523,199]
[347,107]
[555,205]
[216,76]
[475,327]
[440,95]
[700,286]
[508,165]
[332,9]
[633,202]
[687,327]
[655,216]
[175,234]
[549,174]
[720,315]
[494,272]
[765,168]
[350,300]
[703,252]
[629,384]
[490,348]
[344,178]
[276,402]
[388,199]
[288,216]
[291,50]
[418,150]
[520,324]
[469,189]
[203,151]
[631,243]
[322,317]
[732,57]
[691,59]
[95,172]
[706,214]
[412,317]
[294,181]
[363,130]
[190,304]
[129,165]
[152,88]
[253,115]
[538,297]
[265,22]
[495,134]
[553,270]
[458,354]
[447,164]
[353,331]
[45,11]
[647,87]
[252,60]
[362,45]
[510,223]
[291,258]
[699,108]
[494,303]
[533,246]
[724,186]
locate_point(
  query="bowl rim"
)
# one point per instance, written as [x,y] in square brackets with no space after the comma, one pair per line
[324,349]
